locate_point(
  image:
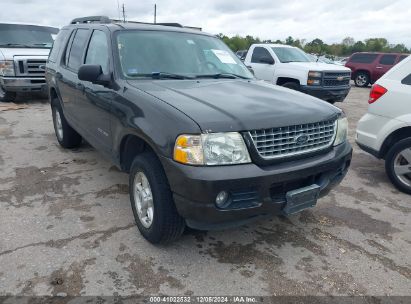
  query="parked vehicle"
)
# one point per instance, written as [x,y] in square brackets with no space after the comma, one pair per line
[367,67]
[241,54]
[342,61]
[290,67]
[385,131]
[23,53]
[205,143]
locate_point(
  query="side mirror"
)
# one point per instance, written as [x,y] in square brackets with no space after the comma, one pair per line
[250,69]
[267,60]
[93,73]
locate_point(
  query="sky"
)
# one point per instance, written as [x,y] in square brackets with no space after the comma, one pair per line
[329,20]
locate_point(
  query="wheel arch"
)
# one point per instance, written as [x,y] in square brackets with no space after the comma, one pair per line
[283,80]
[394,137]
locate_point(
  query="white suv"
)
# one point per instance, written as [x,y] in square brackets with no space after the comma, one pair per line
[290,67]
[385,131]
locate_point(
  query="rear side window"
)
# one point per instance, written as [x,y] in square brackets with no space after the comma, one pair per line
[77,49]
[388,59]
[363,58]
[402,57]
[97,52]
[407,80]
[258,53]
[57,45]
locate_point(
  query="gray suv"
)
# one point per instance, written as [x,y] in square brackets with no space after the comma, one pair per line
[205,143]
[23,53]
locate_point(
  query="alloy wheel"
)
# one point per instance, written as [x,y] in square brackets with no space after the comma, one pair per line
[143,199]
[402,166]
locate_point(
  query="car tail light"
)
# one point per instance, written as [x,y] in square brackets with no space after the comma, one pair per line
[376,92]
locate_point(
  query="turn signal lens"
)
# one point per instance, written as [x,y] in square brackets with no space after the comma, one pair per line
[188,150]
[376,92]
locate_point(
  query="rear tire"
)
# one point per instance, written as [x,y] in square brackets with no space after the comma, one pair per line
[292,85]
[158,220]
[66,136]
[6,96]
[362,79]
[398,165]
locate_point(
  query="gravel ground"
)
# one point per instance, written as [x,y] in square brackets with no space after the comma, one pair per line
[67,228]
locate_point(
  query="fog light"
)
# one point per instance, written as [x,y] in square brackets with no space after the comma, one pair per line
[221,199]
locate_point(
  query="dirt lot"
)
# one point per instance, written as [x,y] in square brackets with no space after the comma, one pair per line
[66,227]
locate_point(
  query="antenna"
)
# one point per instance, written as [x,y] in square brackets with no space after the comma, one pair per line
[155,13]
[118,10]
[124,14]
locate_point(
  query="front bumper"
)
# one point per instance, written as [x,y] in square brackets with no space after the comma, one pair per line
[23,84]
[254,191]
[327,93]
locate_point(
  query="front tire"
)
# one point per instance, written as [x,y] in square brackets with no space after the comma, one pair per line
[362,79]
[6,96]
[398,165]
[66,136]
[152,201]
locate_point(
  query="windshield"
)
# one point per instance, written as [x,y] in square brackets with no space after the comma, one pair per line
[145,53]
[291,54]
[26,36]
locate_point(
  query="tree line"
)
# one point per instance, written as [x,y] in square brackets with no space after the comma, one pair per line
[345,48]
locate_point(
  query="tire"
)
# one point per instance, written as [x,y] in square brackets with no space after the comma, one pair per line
[165,224]
[362,79]
[66,136]
[6,96]
[292,85]
[397,160]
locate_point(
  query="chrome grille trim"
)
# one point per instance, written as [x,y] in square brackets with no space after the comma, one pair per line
[30,66]
[275,143]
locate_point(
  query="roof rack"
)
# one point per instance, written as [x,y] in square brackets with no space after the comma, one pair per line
[106,20]
[91,19]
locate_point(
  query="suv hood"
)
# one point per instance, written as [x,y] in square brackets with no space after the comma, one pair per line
[317,66]
[238,105]
[8,53]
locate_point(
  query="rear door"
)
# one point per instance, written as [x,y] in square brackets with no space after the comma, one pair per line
[385,63]
[71,88]
[262,70]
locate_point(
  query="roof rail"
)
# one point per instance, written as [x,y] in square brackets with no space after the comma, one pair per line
[91,19]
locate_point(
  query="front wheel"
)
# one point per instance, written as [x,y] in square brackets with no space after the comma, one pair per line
[362,79]
[152,201]
[398,165]
[6,96]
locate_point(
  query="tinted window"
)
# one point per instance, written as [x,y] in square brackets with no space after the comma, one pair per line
[258,53]
[388,59]
[57,45]
[363,58]
[97,52]
[402,57]
[407,80]
[77,49]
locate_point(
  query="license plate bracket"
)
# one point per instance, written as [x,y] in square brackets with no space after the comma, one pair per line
[302,198]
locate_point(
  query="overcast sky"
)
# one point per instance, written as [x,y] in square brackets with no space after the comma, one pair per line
[329,20]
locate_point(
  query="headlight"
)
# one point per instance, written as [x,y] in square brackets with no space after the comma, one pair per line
[6,68]
[342,131]
[314,74]
[211,149]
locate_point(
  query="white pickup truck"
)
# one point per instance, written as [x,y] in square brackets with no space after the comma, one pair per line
[290,67]
[24,50]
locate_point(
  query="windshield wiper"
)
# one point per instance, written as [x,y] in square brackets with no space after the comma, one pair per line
[160,75]
[222,75]
[15,44]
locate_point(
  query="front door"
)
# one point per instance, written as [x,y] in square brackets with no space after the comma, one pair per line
[261,65]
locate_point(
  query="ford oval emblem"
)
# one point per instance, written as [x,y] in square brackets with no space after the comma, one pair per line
[301,139]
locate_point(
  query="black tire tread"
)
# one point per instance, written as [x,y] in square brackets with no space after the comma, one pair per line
[389,164]
[167,225]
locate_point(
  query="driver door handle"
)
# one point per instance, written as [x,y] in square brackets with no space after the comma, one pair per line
[378,67]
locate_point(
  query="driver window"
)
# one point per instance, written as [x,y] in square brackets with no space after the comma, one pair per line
[259,53]
[97,52]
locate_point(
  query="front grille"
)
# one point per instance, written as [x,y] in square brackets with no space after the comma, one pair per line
[30,66]
[335,83]
[336,79]
[294,140]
